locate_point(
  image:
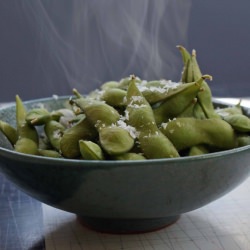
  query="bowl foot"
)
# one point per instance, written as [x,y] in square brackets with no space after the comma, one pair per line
[126,226]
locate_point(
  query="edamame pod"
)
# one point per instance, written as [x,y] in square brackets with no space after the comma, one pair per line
[175,105]
[234,110]
[140,115]
[38,116]
[129,157]
[49,153]
[198,150]
[243,140]
[24,129]
[239,122]
[69,143]
[9,131]
[115,97]
[26,146]
[187,132]
[90,150]
[54,131]
[192,73]
[113,138]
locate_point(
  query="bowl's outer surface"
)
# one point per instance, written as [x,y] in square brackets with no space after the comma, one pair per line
[123,189]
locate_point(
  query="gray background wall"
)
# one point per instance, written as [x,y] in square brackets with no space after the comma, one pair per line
[218,30]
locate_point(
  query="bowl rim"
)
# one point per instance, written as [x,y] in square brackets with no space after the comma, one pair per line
[9,153]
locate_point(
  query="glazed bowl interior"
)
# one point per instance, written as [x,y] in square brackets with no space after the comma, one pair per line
[123,196]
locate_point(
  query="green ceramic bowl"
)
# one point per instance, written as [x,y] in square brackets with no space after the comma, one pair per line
[123,196]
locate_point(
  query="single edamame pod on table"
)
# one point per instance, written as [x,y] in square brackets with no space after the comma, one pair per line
[140,116]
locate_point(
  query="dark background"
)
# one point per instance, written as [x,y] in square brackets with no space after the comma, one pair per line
[218,30]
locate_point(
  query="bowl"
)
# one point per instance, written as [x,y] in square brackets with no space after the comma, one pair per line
[122,196]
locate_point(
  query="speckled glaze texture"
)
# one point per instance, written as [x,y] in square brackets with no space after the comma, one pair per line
[123,196]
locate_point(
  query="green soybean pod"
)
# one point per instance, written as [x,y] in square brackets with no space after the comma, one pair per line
[192,73]
[188,131]
[113,138]
[90,150]
[243,140]
[69,142]
[140,116]
[37,116]
[115,97]
[26,146]
[130,156]
[239,122]
[198,150]
[24,130]
[54,131]
[175,105]
[9,131]
[233,110]
[49,153]
[97,112]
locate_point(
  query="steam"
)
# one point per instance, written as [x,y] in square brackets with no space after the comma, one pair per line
[96,41]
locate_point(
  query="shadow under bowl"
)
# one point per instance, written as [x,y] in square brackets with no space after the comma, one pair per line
[122,196]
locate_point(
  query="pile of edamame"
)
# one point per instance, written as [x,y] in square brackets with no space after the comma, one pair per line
[133,119]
